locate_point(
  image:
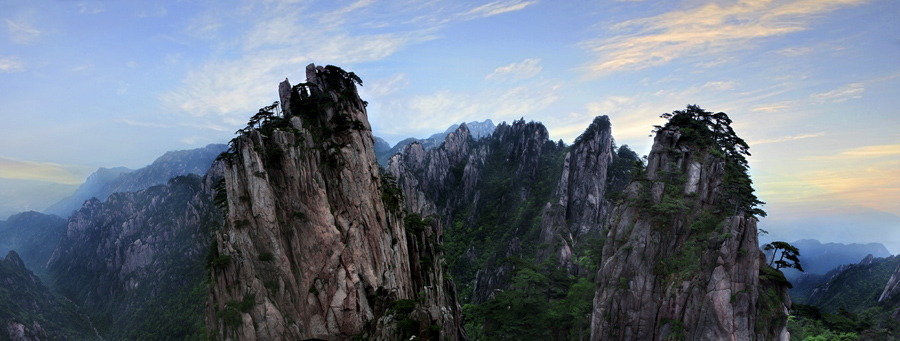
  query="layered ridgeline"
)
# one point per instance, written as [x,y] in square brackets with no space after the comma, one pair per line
[32,235]
[135,263]
[315,244]
[534,223]
[818,258]
[106,181]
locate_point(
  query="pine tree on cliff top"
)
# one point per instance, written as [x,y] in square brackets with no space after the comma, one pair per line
[713,131]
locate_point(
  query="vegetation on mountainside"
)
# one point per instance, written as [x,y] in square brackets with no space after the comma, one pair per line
[172,299]
[544,301]
[500,214]
[25,300]
[808,323]
[855,288]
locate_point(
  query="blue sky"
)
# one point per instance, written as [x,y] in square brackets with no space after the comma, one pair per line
[811,85]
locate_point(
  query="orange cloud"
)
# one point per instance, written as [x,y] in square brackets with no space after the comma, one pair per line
[707,30]
[42,171]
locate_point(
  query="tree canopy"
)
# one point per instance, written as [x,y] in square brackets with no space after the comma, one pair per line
[789,255]
[714,131]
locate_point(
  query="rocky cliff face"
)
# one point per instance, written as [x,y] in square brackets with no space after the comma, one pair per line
[891,292]
[477,130]
[892,288]
[675,265]
[315,245]
[581,194]
[137,257]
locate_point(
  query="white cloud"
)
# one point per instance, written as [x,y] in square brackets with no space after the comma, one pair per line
[290,36]
[192,140]
[495,8]
[386,86]
[772,107]
[850,91]
[21,31]
[443,108]
[708,31]
[131,122]
[81,68]
[156,11]
[90,8]
[786,138]
[794,51]
[719,85]
[11,64]
[516,71]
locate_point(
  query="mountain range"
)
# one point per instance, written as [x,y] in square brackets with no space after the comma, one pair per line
[297,230]
[106,181]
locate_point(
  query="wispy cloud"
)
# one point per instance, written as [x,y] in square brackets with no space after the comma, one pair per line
[708,30]
[292,35]
[776,107]
[842,94]
[495,8]
[11,64]
[90,8]
[794,51]
[386,86]
[21,31]
[156,11]
[719,85]
[786,138]
[516,71]
[866,152]
[443,108]
[192,140]
[135,123]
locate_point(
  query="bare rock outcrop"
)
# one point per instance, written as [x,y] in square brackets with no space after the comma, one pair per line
[581,191]
[315,245]
[892,288]
[674,264]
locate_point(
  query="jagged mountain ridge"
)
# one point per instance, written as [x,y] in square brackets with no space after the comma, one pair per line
[561,191]
[455,182]
[486,178]
[314,243]
[477,129]
[819,258]
[106,181]
[855,287]
[134,263]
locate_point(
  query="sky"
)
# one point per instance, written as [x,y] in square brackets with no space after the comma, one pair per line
[812,85]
